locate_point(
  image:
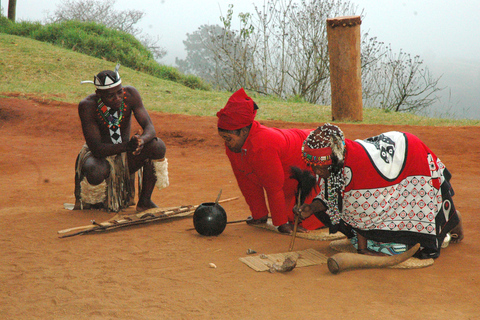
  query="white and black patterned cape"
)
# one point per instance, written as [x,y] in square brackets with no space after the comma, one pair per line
[396,190]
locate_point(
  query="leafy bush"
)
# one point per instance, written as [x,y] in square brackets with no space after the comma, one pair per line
[22,29]
[101,42]
[194,82]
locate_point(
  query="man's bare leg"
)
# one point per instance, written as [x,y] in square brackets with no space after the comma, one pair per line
[144,199]
[94,171]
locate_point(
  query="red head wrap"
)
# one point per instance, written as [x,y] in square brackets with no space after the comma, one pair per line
[239,112]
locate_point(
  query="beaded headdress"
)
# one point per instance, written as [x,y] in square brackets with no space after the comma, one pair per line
[106,79]
[326,146]
[323,144]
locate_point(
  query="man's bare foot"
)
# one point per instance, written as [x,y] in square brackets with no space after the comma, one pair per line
[457,232]
[145,205]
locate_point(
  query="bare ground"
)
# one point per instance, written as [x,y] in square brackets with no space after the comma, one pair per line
[161,270]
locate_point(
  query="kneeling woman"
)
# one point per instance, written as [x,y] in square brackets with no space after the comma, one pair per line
[385,193]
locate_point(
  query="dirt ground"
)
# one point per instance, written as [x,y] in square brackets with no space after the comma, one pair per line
[161,270]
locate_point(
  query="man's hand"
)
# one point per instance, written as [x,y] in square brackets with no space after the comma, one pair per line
[140,144]
[135,145]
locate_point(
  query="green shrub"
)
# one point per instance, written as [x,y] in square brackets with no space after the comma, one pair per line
[194,83]
[101,42]
[4,22]
[23,29]
[296,99]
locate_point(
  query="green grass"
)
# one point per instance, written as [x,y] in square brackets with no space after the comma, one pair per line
[99,41]
[30,67]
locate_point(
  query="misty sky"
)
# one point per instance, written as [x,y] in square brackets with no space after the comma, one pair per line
[444,33]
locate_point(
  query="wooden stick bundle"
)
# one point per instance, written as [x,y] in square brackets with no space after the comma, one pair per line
[146,216]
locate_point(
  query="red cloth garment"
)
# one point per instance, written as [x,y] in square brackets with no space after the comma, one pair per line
[239,112]
[396,191]
[263,167]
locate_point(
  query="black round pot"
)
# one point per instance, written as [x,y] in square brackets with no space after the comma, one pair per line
[210,219]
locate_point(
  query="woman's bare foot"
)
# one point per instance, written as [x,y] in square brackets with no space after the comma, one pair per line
[301,229]
[261,220]
[285,228]
[145,205]
[288,227]
[457,232]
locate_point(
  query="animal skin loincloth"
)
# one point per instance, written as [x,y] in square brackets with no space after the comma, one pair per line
[118,191]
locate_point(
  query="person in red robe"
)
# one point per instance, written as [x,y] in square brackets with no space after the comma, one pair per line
[261,159]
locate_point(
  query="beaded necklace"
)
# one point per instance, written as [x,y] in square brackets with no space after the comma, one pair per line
[328,139]
[335,187]
[112,119]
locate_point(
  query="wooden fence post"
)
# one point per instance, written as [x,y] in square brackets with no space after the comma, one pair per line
[343,34]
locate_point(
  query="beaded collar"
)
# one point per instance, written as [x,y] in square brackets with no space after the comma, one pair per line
[107,116]
[112,119]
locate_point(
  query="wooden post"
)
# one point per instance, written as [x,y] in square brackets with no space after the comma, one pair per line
[343,35]
[12,9]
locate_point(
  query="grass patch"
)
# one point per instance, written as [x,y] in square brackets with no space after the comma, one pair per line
[50,72]
[101,42]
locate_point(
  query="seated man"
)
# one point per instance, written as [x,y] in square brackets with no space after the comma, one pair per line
[106,165]
[261,159]
[383,192]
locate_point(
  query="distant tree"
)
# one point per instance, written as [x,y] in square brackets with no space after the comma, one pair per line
[282,50]
[219,55]
[12,8]
[201,59]
[371,53]
[103,12]
[305,44]
[279,50]
[402,83]
[235,53]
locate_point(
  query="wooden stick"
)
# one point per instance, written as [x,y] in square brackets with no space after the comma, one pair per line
[127,223]
[228,222]
[218,197]
[297,218]
[123,219]
[146,215]
[292,243]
